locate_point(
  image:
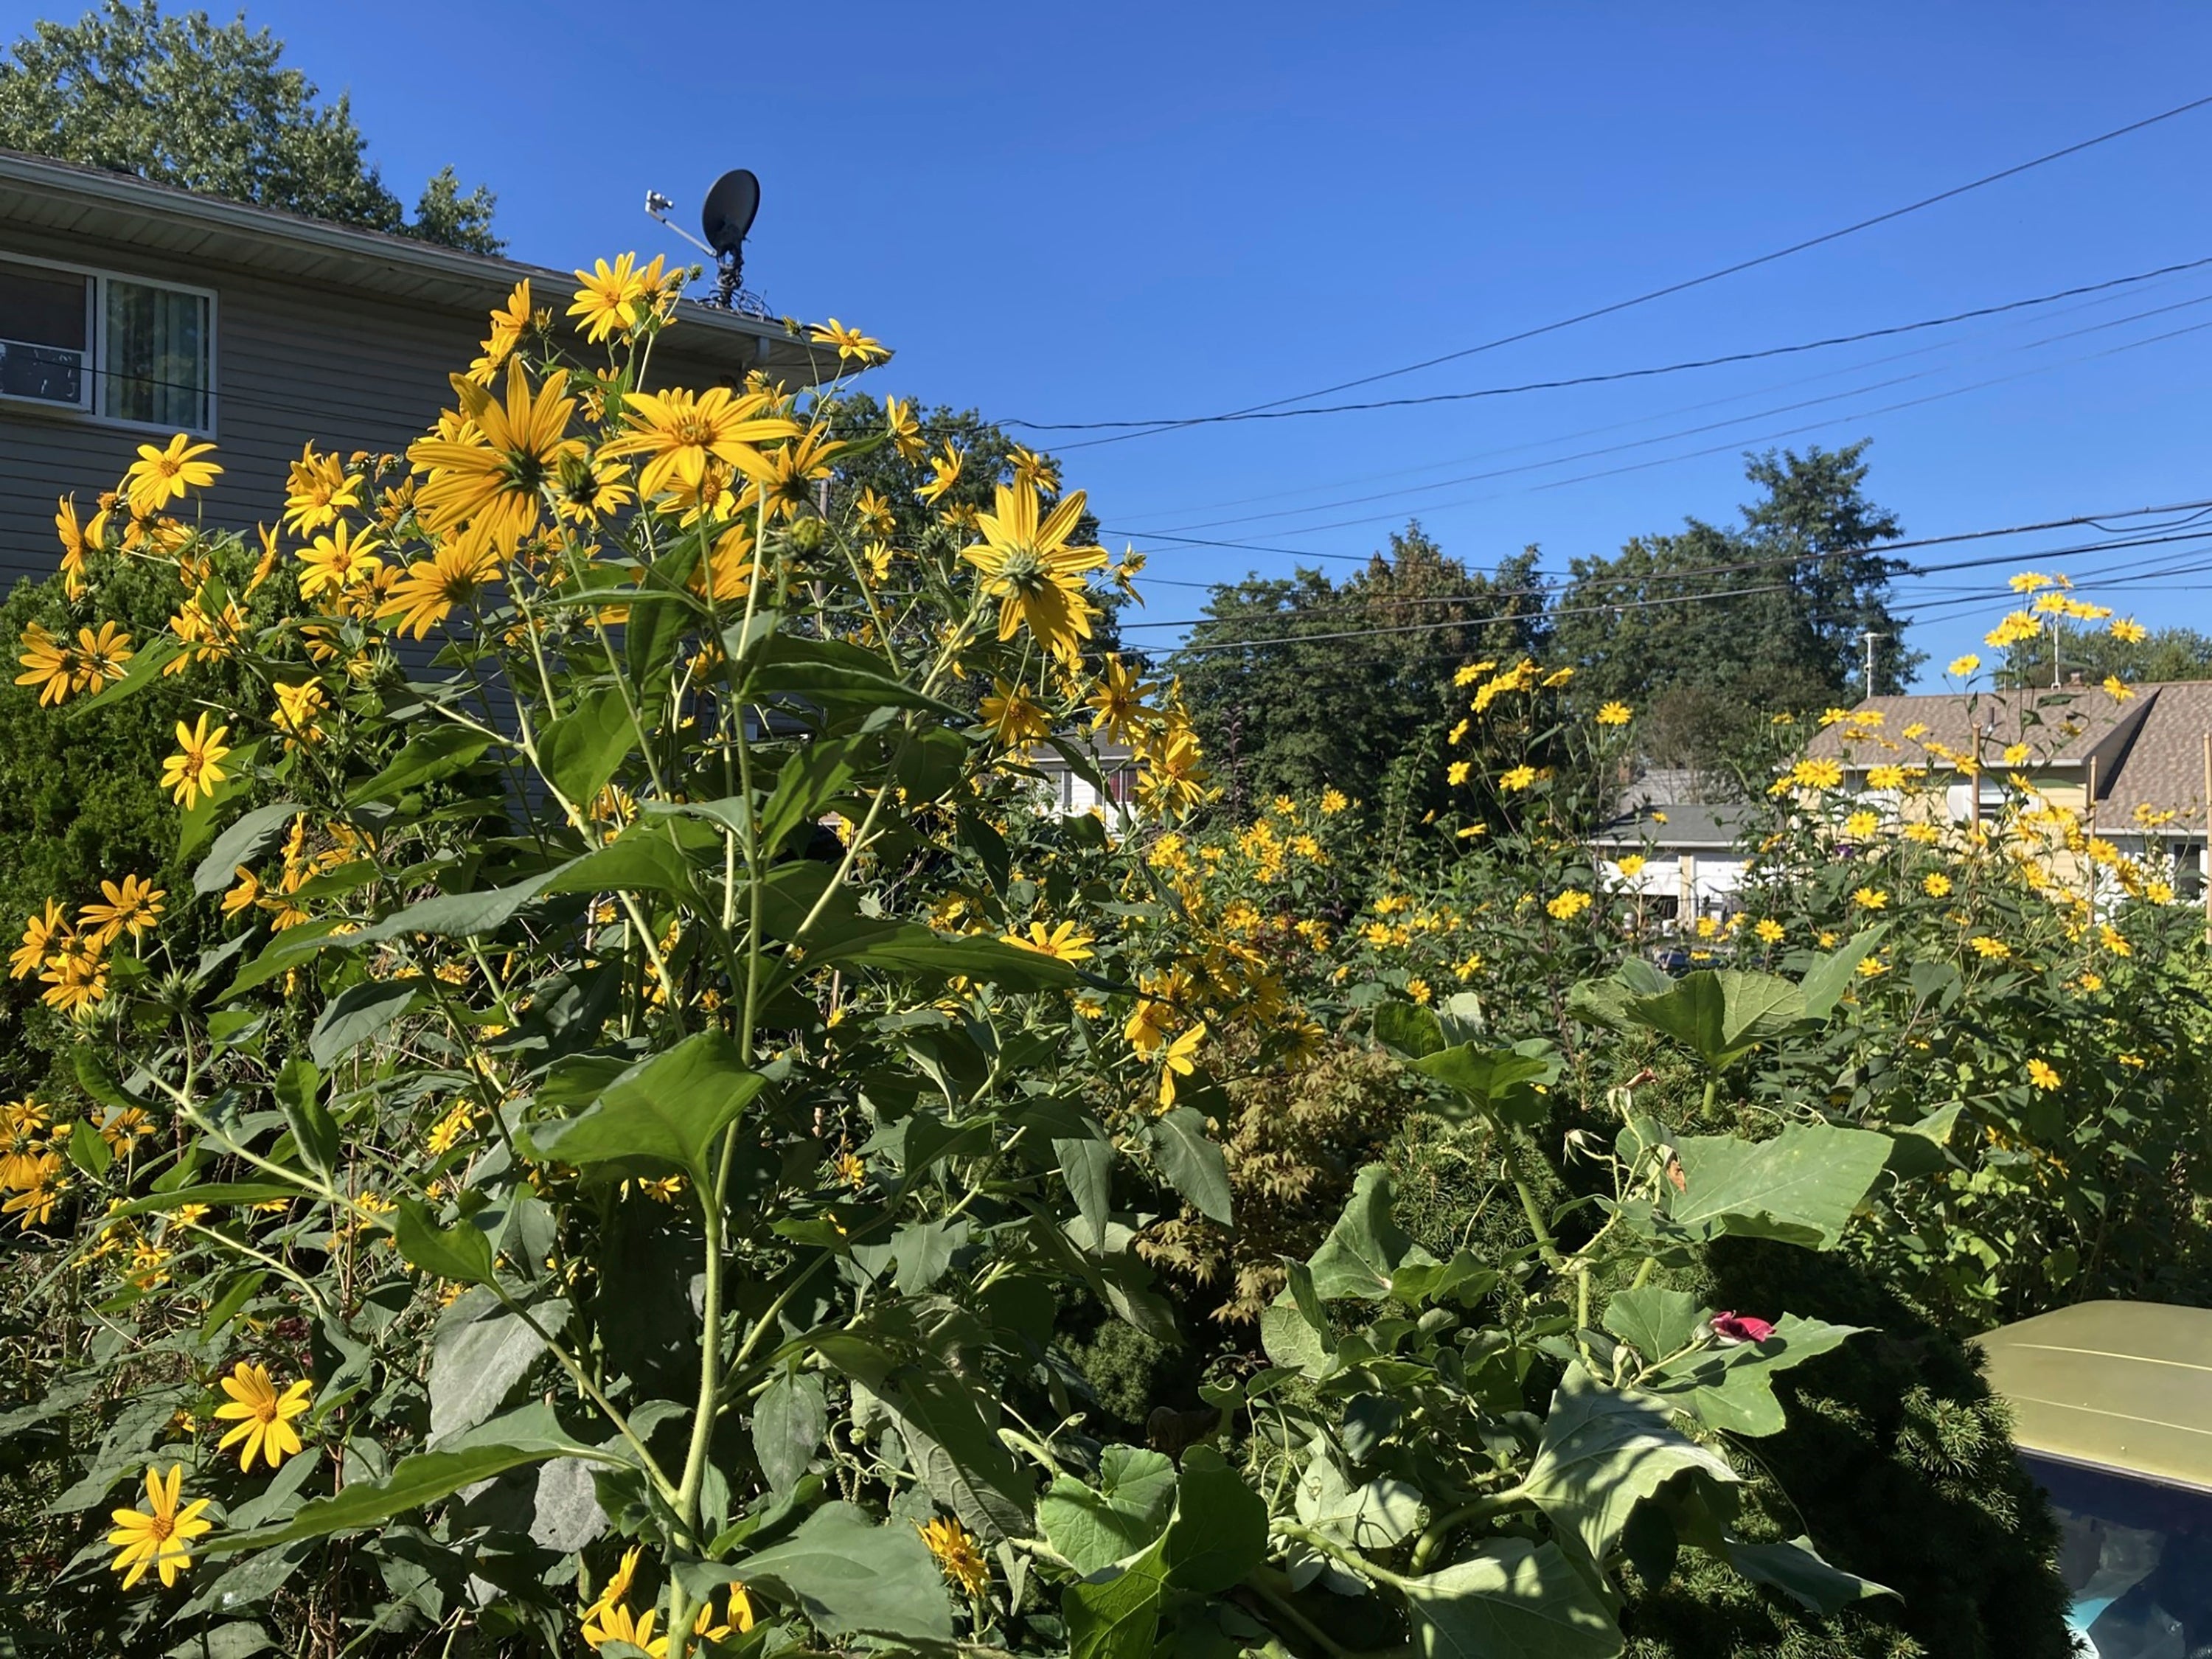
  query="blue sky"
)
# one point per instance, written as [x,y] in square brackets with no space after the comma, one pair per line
[1063,214]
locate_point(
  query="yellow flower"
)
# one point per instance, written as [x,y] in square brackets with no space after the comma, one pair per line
[490,471]
[1816,774]
[1333,800]
[615,1625]
[1566,907]
[1633,865]
[1032,568]
[42,934]
[1012,718]
[2129,631]
[959,1555]
[1870,898]
[1770,931]
[2118,689]
[339,561]
[1860,825]
[608,298]
[1179,1061]
[317,488]
[73,544]
[1962,666]
[48,663]
[508,325]
[193,772]
[133,906]
[1039,472]
[1062,942]
[263,1416]
[426,595]
[160,1536]
[905,431]
[1118,699]
[162,474]
[1518,777]
[1937,885]
[100,657]
[852,345]
[1990,950]
[1614,713]
[617,1584]
[684,432]
[2016,754]
[2041,1074]
[945,472]
[1457,773]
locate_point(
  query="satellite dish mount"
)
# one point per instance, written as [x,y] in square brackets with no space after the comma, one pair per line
[726,218]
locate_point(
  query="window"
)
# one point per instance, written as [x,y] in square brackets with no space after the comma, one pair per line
[137,352]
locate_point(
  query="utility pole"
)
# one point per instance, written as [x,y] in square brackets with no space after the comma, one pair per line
[1870,636]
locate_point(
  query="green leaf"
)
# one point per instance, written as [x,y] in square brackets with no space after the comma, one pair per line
[1510,1599]
[482,1349]
[199,821]
[657,618]
[828,671]
[1655,1323]
[288,951]
[438,753]
[1796,1569]
[1128,1510]
[1194,1165]
[961,1461]
[1288,1338]
[298,1089]
[146,666]
[582,750]
[237,1640]
[461,1253]
[1367,1246]
[1118,1617]
[1408,1029]
[215,1196]
[1086,1163]
[667,1109]
[240,844]
[1731,1389]
[910,948]
[1219,1533]
[1800,1187]
[356,1014]
[1721,1014]
[1826,981]
[788,1423]
[1603,1450]
[850,1576]
[1499,1082]
[88,1150]
[528,1434]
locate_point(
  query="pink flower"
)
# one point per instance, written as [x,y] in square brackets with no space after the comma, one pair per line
[1733,1328]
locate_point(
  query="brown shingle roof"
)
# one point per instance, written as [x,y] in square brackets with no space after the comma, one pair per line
[2062,725]
[2163,768]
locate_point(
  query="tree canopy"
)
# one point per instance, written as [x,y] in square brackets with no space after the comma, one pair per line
[181,100]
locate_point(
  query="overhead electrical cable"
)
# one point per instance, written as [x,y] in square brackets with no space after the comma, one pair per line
[1650,295]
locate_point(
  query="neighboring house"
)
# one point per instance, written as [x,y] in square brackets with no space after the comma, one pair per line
[1065,793]
[2136,770]
[130,311]
[1693,861]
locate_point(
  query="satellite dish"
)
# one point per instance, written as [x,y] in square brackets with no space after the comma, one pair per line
[728,213]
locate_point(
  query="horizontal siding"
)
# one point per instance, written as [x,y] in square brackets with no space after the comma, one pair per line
[292,364]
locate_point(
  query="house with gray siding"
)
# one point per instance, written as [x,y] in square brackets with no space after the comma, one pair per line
[130,310]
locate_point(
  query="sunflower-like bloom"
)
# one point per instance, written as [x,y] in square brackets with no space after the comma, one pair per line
[789,489]
[1013,717]
[1179,1061]
[165,473]
[682,432]
[905,430]
[317,488]
[616,1624]
[508,325]
[611,297]
[49,664]
[195,770]
[43,934]
[298,709]
[264,1415]
[488,467]
[1034,571]
[959,1555]
[160,1536]
[73,544]
[427,593]
[339,562]
[1117,702]
[133,906]
[1062,943]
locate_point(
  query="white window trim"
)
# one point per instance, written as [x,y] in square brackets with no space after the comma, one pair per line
[96,347]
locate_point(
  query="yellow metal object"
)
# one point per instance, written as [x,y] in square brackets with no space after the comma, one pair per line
[2121,1385]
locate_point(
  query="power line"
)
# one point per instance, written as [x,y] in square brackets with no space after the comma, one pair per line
[1645,373]
[1647,297]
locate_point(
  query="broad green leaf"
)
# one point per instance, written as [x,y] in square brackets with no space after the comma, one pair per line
[240,844]
[809,781]
[1367,1246]
[1194,1165]
[1290,1339]
[290,948]
[457,916]
[1731,1389]
[1117,1618]
[924,1251]
[1219,1532]
[214,1196]
[658,616]
[461,1253]
[1796,1569]
[1128,1510]
[910,948]
[584,748]
[298,1089]
[667,1109]
[1655,1323]
[788,1423]
[438,753]
[482,1349]
[1408,1029]
[1464,1279]
[961,1461]
[356,1014]
[1510,1599]
[1924,1147]
[1499,1082]
[88,1150]
[530,1434]
[1086,1163]
[827,671]
[1603,1450]
[1800,1187]
[199,821]
[1383,1513]
[1721,1014]
[850,1576]
[641,860]
[1826,981]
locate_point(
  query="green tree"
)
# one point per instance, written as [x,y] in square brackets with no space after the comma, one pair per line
[1716,627]
[183,101]
[2062,652]
[1300,682]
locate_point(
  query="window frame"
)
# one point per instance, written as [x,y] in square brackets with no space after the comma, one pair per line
[93,409]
